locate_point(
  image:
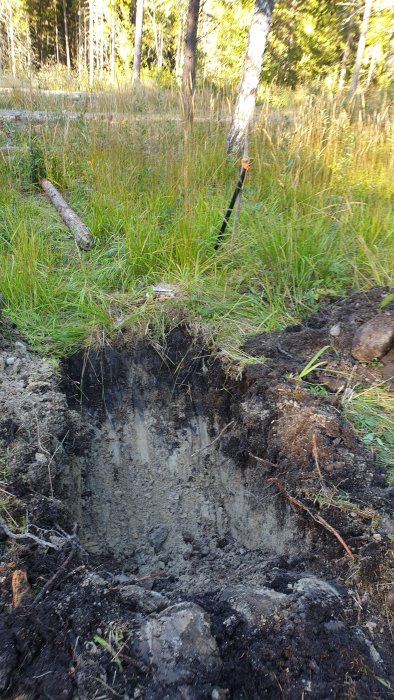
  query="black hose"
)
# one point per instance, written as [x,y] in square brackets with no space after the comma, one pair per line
[231,206]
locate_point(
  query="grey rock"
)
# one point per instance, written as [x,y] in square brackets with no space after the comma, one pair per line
[142,600]
[386,526]
[10,361]
[158,536]
[316,589]
[122,578]
[374,338]
[179,645]
[255,605]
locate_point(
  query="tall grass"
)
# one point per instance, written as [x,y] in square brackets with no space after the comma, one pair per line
[316,219]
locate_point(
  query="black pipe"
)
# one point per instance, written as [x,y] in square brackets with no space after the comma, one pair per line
[231,205]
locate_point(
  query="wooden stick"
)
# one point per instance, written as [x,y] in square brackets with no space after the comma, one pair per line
[315,516]
[81,234]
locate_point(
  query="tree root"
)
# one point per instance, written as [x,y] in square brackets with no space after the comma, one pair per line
[315,516]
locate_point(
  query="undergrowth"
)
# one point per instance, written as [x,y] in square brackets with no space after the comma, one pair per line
[371,411]
[316,219]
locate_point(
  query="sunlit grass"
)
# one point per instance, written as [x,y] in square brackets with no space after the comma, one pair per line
[316,219]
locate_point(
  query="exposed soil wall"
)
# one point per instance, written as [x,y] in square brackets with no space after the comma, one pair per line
[204,564]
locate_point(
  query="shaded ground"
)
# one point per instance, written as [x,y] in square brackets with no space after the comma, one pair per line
[233,534]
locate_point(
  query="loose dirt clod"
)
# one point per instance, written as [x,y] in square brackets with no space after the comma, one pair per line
[215,521]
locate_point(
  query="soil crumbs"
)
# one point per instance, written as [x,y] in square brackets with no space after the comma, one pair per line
[171,530]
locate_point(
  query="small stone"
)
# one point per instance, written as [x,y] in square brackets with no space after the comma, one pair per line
[20,346]
[335,331]
[188,551]
[121,578]
[386,526]
[158,536]
[377,537]
[142,600]
[40,458]
[10,361]
[373,339]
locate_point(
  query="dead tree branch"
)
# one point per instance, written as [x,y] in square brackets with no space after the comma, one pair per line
[81,234]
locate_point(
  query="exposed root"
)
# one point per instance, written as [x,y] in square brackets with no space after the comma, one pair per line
[315,516]
[58,541]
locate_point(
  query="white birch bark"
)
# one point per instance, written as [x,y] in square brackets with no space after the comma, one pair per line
[360,48]
[246,100]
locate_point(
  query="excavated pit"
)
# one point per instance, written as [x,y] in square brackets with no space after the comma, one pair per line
[153,490]
[208,561]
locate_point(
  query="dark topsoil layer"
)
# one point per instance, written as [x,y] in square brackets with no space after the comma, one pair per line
[316,624]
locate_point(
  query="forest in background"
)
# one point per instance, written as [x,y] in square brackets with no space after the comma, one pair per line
[92,42]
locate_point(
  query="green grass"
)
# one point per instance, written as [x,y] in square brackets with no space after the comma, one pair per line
[371,411]
[316,219]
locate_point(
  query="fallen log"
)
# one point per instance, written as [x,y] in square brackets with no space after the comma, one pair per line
[81,234]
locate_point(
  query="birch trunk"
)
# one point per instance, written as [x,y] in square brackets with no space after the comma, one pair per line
[345,58]
[360,48]
[80,232]
[12,40]
[190,60]
[91,46]
[138,42]
[246,100]
[66,39]
[113,48]
[179,47]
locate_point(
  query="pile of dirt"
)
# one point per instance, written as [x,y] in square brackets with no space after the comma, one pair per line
[170,531]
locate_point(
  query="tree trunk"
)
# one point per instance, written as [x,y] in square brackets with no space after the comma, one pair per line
[91,46]
[138,42]
[360,49]
[12,39]
[345,57]
[190,60]
[79,39]
[374,57]
[66,35]
[113,47]
[56,31]
[77,227]
[101,34]
[179,45]
[246,100]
